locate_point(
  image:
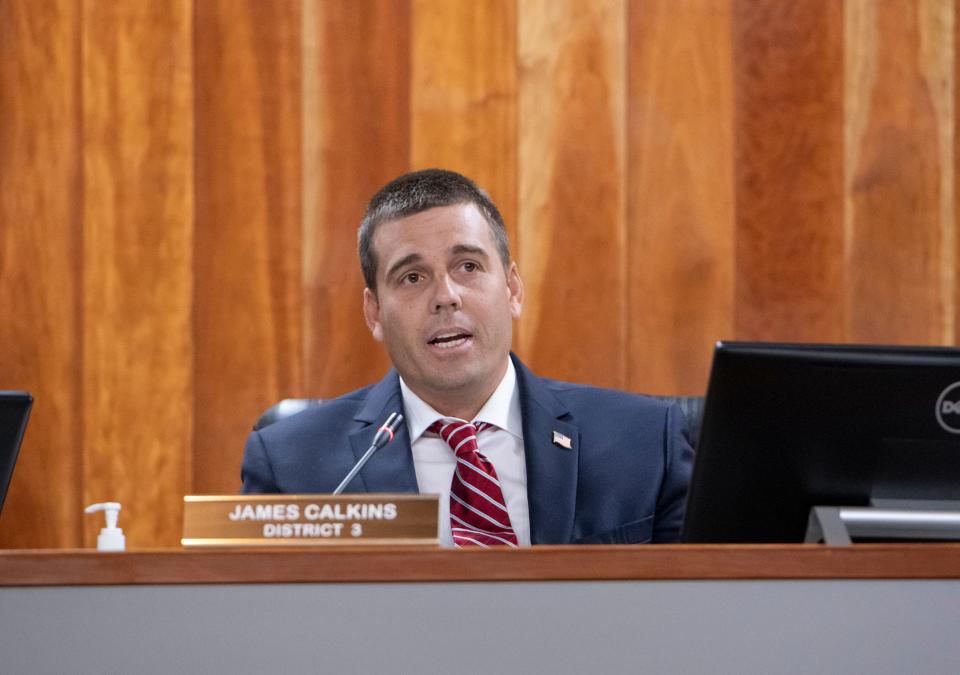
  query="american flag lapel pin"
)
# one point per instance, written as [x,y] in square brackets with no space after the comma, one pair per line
[562,441]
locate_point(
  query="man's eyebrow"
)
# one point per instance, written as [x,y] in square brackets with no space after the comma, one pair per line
[404,261]
[469,248]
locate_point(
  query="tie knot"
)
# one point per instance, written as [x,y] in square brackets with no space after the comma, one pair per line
[459,435]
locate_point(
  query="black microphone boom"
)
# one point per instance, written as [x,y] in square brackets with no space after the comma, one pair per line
[384,435]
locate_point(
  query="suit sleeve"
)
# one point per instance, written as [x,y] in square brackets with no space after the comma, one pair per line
[256,473]
[672,501]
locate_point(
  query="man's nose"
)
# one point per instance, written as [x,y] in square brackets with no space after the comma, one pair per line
[447,294]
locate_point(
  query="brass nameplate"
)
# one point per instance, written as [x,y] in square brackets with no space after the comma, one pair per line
[310,520]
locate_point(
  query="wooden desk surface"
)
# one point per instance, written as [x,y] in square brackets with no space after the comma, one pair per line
[49,567]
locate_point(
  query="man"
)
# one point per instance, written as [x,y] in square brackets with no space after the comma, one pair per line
[517,459]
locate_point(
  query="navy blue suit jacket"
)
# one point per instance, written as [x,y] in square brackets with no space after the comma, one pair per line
[624,481]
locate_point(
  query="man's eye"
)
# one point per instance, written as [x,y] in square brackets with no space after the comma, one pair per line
[411,277]
[470,266]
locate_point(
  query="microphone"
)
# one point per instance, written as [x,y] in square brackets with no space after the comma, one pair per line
[384,435]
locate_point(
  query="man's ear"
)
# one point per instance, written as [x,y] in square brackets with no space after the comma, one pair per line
[515,288]
[371,313]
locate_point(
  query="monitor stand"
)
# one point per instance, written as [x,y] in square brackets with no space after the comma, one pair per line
[885,519]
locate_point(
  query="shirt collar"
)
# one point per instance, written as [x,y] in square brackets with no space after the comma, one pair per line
[502,409]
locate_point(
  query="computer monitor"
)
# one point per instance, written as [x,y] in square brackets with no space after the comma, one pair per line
[791,426]
[14,411]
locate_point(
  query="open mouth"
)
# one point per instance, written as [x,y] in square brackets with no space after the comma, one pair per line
[450,340]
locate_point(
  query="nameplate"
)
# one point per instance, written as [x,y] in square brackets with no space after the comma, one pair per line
[310,520]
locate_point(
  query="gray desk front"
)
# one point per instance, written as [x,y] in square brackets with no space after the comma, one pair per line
[890,609]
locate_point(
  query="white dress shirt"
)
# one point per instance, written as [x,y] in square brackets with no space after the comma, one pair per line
[434,461]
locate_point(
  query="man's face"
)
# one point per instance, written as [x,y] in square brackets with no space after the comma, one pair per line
[444,304]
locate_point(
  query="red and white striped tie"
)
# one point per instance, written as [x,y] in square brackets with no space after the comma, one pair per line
[478,512]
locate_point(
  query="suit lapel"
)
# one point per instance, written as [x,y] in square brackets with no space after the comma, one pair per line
[391,467]
[551,468]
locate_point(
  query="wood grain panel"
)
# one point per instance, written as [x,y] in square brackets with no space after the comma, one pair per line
[40,265]
[247,313]
[956,173]
[680,196]
[899,171]
[356,138]
[138,228]
[672,173]
[788,75]
[539,563]
[572,202]
[464,95]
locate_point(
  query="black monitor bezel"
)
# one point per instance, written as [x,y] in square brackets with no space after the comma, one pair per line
[11,437]
[714,519]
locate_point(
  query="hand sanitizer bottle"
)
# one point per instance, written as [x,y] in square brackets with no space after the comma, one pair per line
[111,537]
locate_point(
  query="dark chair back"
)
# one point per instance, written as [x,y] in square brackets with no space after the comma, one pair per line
[285,408]
[692,407]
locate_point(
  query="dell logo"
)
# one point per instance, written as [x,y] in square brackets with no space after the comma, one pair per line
[948,408]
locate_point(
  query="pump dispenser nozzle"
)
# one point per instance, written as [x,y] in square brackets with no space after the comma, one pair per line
[111,537]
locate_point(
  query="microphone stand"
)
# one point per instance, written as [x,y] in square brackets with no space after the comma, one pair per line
[384,435]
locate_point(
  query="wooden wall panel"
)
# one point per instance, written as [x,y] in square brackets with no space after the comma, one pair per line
[247,314]
[356,138]
[955,147]
[899,166]
[40,265]
[572,199]
[788,75]
[464,94]
[181,183]
[680,191]
[137,282]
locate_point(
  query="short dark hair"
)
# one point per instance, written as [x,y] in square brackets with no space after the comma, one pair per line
[419,191]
